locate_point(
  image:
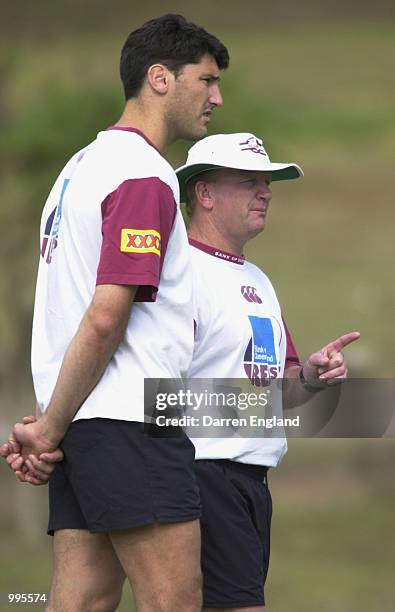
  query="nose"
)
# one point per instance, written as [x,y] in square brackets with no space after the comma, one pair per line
[264,192]
[215,97]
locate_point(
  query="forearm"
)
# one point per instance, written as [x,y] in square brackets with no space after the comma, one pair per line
[318,399]
[294,393]
[82,367]
[84,362]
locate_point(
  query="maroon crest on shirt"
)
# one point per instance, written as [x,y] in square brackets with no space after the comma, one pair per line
[250,294]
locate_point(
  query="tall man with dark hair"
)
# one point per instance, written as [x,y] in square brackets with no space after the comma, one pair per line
[114,305]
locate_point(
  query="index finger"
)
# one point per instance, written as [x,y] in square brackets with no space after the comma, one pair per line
[338,344]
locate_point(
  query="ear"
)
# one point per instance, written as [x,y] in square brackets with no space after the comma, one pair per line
[158,77]
[204,194]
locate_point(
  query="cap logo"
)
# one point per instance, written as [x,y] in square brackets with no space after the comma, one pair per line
[254,145]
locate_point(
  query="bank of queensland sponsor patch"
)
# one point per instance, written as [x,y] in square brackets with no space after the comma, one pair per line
[260,360]
[140,241]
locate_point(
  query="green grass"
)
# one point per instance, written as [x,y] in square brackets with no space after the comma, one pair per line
[332,532]
[335,558]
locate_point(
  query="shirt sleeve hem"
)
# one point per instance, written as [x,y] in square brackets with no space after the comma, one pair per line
[143,279]
[291,362]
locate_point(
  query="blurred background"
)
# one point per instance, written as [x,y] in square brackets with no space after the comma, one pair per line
[313,79]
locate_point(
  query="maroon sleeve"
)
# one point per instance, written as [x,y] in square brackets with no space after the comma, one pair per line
[291,356]
[137,219]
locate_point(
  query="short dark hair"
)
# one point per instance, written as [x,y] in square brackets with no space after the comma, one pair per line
[170,40]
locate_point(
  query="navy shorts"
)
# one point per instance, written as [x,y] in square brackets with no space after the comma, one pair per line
[235,526]
[115,475]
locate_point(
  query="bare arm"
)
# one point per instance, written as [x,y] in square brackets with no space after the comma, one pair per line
[98,336]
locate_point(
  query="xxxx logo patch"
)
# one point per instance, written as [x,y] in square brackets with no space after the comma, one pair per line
[140,241]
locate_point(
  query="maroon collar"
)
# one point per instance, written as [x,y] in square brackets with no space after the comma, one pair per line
[136,131]
[238,259]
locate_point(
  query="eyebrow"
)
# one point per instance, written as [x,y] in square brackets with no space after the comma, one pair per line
[255,179]
[211,76]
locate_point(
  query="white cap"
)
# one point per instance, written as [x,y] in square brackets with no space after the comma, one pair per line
[239,151]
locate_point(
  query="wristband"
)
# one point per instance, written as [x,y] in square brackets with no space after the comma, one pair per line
[306,385]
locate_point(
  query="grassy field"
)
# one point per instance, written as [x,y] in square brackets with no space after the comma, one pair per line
[322,95]
[332,542]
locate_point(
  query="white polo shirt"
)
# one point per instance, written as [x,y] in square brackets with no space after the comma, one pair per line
[113,217]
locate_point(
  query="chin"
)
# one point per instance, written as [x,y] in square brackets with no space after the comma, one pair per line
[203,131]
[197,134]
[257,230]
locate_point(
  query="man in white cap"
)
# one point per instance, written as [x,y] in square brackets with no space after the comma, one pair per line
[239,333]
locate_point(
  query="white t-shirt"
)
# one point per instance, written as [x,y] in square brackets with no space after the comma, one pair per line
[239,333]
[113,217]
